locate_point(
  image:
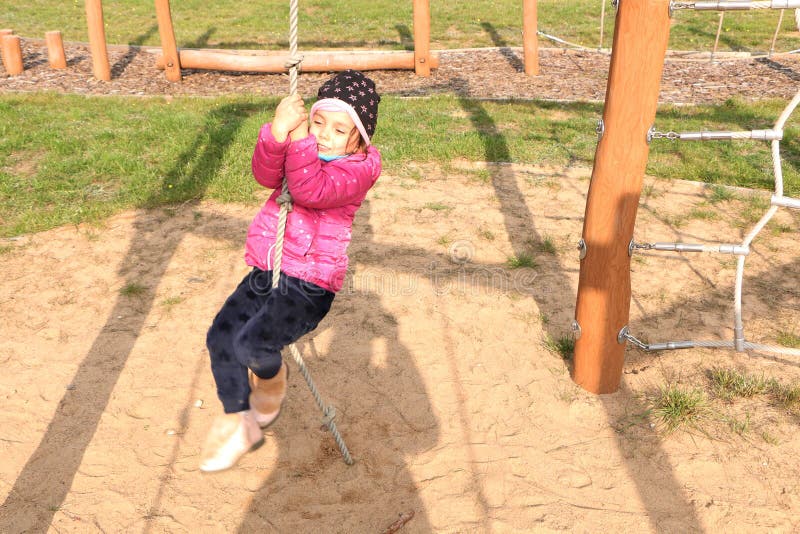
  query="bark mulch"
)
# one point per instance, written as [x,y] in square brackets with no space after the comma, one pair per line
[570,75]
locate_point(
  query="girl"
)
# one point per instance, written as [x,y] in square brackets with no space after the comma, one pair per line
[329,165]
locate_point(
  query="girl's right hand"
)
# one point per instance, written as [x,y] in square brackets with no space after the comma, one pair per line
[290,113]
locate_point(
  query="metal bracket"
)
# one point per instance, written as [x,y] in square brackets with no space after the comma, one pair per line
[582,248]
[622,337]
[601,129]
[576,329]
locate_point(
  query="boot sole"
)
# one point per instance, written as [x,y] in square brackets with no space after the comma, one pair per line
[254,447]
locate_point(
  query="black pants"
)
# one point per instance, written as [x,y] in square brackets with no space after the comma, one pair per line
[252,327]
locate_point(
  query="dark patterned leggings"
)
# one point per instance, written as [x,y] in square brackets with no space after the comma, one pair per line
[252,327]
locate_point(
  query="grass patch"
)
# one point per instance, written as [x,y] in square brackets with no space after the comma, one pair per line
[521,260]
[728,383]
[437,206]
[169,302]
[702,214]
[789,339]
[786,395]
[675,408]
[132,289]
[719,193]
[548,245]
[564,346]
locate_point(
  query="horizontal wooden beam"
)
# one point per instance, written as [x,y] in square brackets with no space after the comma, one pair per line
[238,61]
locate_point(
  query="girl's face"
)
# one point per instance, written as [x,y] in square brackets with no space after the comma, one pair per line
[335,131]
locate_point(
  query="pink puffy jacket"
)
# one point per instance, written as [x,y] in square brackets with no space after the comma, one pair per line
[325,198]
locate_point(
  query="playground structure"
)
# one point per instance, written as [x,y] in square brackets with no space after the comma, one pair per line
[625,133]
[172,59]
[422,59]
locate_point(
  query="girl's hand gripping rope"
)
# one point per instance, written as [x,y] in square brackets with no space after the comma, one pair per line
[290,115]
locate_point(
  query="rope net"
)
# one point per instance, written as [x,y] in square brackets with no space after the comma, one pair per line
[778,200]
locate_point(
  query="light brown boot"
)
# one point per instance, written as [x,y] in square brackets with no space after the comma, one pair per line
[232,435]
[267,394]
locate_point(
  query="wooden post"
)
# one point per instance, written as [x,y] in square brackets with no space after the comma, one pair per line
[169,49]
[641,34]
[530,37]
[97,40]
[12,55]
[55,50]
[422,37]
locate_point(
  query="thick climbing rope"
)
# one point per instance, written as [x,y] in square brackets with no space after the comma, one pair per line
[285,201]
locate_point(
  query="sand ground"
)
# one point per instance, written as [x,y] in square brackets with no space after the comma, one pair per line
[446,393]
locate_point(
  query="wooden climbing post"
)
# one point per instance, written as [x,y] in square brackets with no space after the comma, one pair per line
[530,37]
[55,50]
[12,55]
[422,37]
[97,40]
[602,311]
[169,49]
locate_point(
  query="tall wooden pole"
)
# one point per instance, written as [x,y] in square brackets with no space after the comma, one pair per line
[422,37]
[530,37]
[604,288]
[97,40]
[169,49]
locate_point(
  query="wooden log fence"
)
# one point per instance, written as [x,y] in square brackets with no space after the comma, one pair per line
[255,61]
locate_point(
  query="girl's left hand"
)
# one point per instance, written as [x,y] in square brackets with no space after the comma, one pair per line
[290,113]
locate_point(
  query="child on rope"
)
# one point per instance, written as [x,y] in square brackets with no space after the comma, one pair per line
[329,166]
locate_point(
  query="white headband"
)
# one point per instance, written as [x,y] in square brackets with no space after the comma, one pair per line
[334,104]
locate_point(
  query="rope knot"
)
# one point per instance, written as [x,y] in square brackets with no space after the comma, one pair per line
[285,198]
[293,61]
[328,415]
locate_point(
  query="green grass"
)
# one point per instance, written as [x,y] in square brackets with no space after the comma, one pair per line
[674,407]
[548,245]
[789,339]
[70,159]
[728,383]
[327,24]
[521,260]
[564,346]
[132,289]
[719,194]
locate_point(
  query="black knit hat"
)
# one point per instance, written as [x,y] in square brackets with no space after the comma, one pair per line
[355,89]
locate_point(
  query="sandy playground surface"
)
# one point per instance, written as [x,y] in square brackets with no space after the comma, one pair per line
[449,400]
